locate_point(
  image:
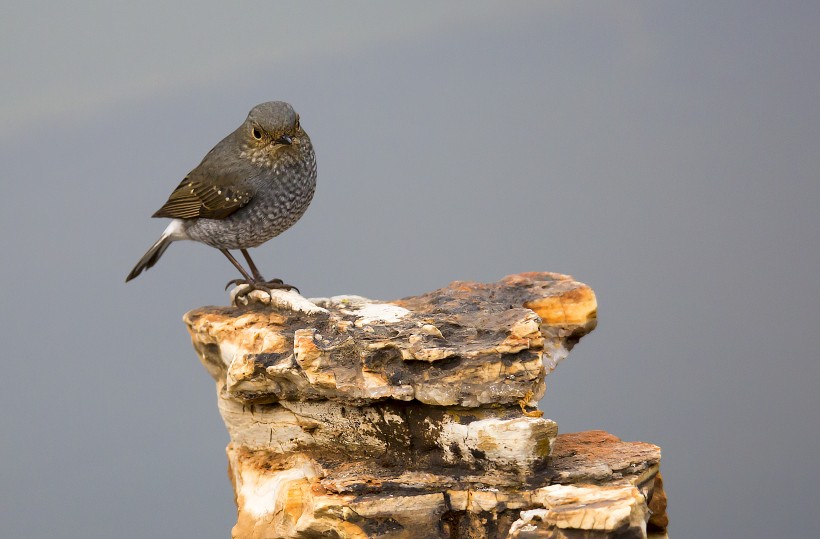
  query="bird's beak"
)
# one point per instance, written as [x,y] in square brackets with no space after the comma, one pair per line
[284,139]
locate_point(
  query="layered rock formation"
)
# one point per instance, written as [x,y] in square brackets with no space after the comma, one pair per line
[417,418]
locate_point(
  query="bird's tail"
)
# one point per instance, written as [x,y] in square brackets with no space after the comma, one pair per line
[150,258]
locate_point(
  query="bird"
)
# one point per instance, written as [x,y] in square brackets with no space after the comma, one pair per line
[252,186]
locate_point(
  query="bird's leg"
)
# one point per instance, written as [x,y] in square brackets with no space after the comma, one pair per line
[250,283]
[273,283]
[248,280]
[257,282]
[254,270]
[237,265]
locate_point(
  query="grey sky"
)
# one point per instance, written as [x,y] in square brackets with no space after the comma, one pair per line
[667,155]
[83,59]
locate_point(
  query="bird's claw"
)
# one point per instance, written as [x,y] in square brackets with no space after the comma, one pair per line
[278,284]
[262,286]
[236,282]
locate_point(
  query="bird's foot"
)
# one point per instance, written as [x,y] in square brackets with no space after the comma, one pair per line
[262,286]
[274,284]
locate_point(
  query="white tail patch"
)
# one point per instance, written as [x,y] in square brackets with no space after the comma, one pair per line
[176,230]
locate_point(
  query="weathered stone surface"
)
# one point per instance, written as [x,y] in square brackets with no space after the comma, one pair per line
[469,344]
[599,511]
[496,441]
[598,455]
[305,494]
[355,418]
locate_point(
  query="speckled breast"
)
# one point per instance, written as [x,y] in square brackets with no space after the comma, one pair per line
[283,194]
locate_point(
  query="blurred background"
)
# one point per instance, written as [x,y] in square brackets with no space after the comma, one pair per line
[666,154]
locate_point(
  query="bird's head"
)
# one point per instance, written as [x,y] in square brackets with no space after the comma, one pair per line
[273,125]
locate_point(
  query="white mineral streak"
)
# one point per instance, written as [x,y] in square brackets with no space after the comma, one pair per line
[371,313]
[554,353]
[229,351]
[526,522]
[263,493]
[509,443]
[342,300]
[365,310]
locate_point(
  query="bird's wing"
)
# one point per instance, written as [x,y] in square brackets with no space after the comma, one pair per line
[196,198]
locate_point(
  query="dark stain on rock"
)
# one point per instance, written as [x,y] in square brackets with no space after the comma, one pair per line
[456,450]
[377,527]
[484,525]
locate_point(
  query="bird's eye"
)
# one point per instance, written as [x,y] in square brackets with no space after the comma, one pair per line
[257,134]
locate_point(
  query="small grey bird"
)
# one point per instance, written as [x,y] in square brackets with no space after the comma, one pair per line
[252,186]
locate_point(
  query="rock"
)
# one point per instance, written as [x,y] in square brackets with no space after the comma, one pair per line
[356,418]
[305,494]
[597,454]
[497,441]
[466,345]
